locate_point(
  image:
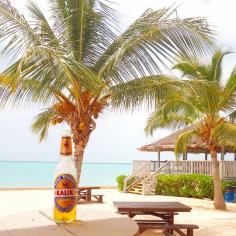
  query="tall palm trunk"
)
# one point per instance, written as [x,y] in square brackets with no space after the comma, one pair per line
[78,158]
[80,139]
[82,124]
[219,202]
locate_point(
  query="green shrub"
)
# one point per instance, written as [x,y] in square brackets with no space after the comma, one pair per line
[183,185]
[120,181]
[188,185]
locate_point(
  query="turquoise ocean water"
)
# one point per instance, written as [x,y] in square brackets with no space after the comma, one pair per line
[40,174]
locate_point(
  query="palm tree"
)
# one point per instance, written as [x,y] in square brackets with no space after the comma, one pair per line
[207,100]
[74,62]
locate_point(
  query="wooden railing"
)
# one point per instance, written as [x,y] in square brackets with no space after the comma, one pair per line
[141,167]
[149,183]
[146,172]
[152,165]
[138,174]
[227,169]
[191,167]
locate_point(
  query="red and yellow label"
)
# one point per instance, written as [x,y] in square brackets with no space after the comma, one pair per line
[65,192]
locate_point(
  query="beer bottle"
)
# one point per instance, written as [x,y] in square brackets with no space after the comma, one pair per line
[65,183]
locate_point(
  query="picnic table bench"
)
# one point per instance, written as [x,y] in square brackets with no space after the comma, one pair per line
[85,195]
[165,211]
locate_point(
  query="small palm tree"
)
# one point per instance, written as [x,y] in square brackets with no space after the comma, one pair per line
[207,100]
[75,62]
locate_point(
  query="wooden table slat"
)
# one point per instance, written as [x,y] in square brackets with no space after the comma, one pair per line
[165,211]
[152,207]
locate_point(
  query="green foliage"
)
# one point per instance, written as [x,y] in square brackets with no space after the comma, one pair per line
[188,185]
[120,181]
[227,183]
[81,49]
[206,99]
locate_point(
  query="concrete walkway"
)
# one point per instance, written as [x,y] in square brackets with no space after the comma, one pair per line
[211,222]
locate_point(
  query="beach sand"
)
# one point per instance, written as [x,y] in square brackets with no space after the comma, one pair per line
[211,222]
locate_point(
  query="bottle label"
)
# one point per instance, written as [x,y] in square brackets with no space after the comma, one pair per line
[65,192]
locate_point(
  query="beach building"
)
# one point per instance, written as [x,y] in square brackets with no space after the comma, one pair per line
[146,171]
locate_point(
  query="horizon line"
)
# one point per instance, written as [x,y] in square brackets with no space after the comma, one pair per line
[57,162]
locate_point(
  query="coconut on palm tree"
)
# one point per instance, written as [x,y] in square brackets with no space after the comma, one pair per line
[207,100]
[74,62]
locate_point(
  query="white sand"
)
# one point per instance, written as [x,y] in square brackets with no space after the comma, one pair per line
[211,222]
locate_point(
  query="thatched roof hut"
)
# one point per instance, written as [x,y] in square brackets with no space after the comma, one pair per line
[168,144]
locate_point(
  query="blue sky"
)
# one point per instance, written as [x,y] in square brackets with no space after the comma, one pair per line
[117,135]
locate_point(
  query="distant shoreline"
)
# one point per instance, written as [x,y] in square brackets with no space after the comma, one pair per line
[118,163]
[44,188]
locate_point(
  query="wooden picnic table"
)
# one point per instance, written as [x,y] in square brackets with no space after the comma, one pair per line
[85,193]
[165,211]
[87,190]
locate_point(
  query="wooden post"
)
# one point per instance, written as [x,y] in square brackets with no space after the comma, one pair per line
[222,154]
[221,169]
[205,156]
[159,158]
[185,156]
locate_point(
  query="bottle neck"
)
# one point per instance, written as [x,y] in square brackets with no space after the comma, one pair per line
[66,146]
[62,157]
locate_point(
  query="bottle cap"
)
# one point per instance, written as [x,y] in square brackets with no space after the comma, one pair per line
[66,145]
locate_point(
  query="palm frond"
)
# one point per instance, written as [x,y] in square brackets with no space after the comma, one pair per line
[204,95]
[180,106]
[42,122]
[188,69]
[192,70]
[15,30]
[43,68]
[146,90]
[151,42]
[173,121]
[92,26]
[183,140]
[216,65]
[225,135]
[227,98]
[41,25]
